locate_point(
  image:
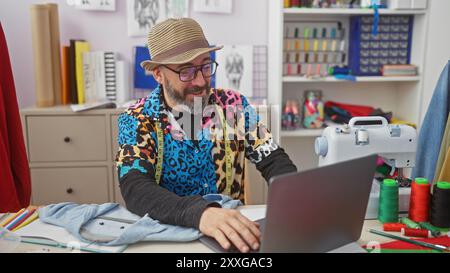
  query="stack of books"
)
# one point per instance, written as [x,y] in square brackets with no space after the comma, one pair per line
[92,77]
[399,70]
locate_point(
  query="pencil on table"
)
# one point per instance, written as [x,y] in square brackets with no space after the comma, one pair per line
[18,219]
[33,217]
[29,213]
[12,217]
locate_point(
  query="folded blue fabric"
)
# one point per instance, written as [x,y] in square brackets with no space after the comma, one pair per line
[83,222]
[433,127]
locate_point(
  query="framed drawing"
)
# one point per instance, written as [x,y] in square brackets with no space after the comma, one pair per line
[235,69]
[142,15]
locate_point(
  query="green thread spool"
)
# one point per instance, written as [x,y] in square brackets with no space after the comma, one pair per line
[443,185]
[409,223]
[436,232]
[390,182]
[388,202]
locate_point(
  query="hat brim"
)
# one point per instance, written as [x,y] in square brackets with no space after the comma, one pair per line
[186,57]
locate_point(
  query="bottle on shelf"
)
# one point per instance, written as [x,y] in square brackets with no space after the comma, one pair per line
[291,116]
[313,110]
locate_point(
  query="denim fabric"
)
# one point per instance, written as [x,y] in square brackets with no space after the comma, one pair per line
[82,221]
[433,127]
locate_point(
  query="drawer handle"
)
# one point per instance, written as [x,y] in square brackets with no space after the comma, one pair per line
[67,139]
[69,190]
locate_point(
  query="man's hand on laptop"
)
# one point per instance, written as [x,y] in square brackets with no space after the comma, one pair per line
[230,227]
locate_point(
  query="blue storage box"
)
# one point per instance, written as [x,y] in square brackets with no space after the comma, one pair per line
[392,45]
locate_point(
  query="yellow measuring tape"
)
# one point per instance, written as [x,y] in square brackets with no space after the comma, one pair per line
[228,160]
[160,137]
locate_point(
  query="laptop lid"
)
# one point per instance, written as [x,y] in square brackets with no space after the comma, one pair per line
[318,210]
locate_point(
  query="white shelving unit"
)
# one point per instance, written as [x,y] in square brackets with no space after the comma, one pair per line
[302,133]
[305,132]
[346,12]
[293,79]
[401,95]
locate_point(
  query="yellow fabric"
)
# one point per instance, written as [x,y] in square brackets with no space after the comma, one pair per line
[445,171]
[402,122]
[443,155]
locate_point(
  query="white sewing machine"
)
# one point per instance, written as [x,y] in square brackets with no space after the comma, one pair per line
[395,144]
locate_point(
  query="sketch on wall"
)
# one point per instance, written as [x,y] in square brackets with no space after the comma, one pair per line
[213,6]
[142,15]
[235,69]
[177,8]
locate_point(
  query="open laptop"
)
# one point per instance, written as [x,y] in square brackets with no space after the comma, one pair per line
[320,210]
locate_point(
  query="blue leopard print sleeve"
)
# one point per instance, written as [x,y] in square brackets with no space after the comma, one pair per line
[136,145]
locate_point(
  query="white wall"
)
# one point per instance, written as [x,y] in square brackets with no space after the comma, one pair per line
[247,25]
[108,31]
[438,49]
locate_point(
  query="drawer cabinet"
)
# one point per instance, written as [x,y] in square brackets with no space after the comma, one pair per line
[70,154]
[76,184]
[67,138]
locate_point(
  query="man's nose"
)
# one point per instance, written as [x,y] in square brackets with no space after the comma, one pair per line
[199,80]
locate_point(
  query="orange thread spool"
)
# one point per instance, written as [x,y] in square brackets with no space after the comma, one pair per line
[393,227]
[419,206]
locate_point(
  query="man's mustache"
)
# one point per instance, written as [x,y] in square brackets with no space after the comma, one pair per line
[195,90]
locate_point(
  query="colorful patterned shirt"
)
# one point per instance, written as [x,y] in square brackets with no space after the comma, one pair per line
[193,167]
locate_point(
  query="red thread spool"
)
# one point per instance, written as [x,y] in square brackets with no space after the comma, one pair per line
[419,204]
[411,232]
[395,227]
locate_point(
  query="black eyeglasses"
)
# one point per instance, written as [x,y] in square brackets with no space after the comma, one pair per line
[187,74]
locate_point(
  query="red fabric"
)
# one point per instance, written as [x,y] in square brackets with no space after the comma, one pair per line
[15,182]
[354,110]
[400,245]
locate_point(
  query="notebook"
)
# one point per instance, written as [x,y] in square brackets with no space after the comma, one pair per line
[41,233]
[142,79]
[104,104]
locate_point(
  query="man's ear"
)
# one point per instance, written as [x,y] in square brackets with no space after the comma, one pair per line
[157,75]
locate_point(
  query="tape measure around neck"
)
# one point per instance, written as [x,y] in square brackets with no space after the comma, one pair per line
[159,162]
[228,160]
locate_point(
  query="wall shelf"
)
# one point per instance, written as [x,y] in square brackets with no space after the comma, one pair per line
[306,132]
[331,11]
[302,133]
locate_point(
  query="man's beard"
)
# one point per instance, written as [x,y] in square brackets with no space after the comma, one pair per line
[180,98]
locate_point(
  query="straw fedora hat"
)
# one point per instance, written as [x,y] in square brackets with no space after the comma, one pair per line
[176,41]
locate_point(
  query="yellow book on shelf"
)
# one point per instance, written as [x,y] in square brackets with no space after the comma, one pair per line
[80,48]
